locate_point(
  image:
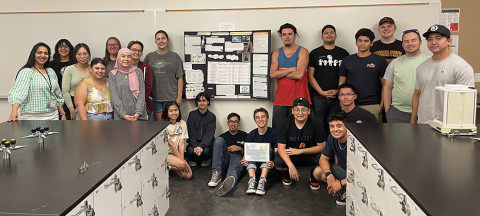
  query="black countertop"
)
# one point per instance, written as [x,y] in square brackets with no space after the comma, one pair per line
[45,181]
[441,174]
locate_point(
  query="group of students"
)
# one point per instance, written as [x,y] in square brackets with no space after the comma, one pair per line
[119,86]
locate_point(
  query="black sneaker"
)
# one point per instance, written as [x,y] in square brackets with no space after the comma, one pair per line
[341,200]
[314,184]
[226,186]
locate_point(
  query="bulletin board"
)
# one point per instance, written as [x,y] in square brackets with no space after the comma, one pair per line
[228,64]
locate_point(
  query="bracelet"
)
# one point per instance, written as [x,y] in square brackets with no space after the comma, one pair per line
[61,114]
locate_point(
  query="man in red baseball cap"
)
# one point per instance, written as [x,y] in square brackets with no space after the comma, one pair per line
[387,47]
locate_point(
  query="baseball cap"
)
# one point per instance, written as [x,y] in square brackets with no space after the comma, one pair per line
[386,19]
[301,102]
[437,29]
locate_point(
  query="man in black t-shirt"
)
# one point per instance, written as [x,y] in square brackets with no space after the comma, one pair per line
[365,71]
[334,174]
[300,141]
[355,114]
[228,152]
[323,75]
[388,47]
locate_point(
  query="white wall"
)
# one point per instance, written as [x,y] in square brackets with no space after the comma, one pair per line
[308,21]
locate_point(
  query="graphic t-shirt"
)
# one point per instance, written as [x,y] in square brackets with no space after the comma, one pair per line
[389,51]
[326,63]
[167,68]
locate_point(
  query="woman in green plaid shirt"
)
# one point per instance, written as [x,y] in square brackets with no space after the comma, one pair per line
[36,91]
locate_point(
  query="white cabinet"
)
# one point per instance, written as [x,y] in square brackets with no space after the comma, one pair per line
[138,187]
[370,189]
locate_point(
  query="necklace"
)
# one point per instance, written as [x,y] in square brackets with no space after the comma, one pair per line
[341,146]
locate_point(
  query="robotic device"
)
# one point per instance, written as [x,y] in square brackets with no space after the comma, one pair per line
[455,107]
[7,147]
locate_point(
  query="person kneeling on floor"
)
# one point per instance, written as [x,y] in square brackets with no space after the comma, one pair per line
[334,174]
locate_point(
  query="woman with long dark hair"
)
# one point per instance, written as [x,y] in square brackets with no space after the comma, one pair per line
[62,58]
[36,91]
[111,50]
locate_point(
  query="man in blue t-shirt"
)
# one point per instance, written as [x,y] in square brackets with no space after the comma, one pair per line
[334,174]
[365,71]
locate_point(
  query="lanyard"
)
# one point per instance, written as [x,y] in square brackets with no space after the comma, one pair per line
[49,82]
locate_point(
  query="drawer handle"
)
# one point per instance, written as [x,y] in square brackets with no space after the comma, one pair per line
[137,163]
[360,149]
[352,145]
[350,177]
[138,199]
[166,165]
[374,207]
[381,178]
[166,193]
[87,209]
[115,181]
[154,180]
[403,200]
[153,147]
[154,211]
[365,161]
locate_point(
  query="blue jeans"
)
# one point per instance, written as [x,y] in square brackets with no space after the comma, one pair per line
[254,165]
[323,107]
[100,116]
[221,157]
[159,106]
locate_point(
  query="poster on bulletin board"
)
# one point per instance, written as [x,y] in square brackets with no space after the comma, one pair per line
[228,64]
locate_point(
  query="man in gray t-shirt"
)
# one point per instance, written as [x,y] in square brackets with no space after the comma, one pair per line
[442,68]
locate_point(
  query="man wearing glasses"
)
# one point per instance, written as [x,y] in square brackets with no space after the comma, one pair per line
[442,68]
[387,47]
[400,79]
[355,114]
[301,139]
[228,152]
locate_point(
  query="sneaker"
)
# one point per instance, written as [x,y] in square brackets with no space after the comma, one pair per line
[216,178]
[206,163]
[251,186]
[192,163]
[226,186]
[287,181]
[341,200]
[261,186]
[314,184]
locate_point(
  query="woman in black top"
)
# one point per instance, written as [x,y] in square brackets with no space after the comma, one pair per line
[62,58]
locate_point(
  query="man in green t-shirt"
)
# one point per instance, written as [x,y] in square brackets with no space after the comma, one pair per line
[400,79]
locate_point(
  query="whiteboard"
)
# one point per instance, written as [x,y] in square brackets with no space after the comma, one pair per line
[21,31]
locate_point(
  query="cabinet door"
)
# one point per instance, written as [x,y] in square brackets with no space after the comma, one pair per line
[361,195]
[351,147]
[377,208]
[351,177]
[352,208]
[377,182]
[150,178]
[362,164]
[132,200]
[85,207]
[108,196]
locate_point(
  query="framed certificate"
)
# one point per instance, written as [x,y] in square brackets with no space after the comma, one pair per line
[257,152]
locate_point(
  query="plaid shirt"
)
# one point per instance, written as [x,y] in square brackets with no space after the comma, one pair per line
[32,91]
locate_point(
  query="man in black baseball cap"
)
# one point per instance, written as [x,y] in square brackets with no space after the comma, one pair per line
[442,68]
[437,29]
[388,46]
[301,139]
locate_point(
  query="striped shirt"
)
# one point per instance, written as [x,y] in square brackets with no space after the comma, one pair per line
[32,91]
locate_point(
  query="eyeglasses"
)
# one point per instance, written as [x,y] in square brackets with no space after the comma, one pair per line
[411,30]
[136,50]
[304,110]
[82,54]
[233,122]
[112,45]
[347,94]
[64,47]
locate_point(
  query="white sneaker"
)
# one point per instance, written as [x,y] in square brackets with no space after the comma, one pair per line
[251,186]
[261,186]
[216,178]
[205,163]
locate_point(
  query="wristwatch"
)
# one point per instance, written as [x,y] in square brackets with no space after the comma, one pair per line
[327,174]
